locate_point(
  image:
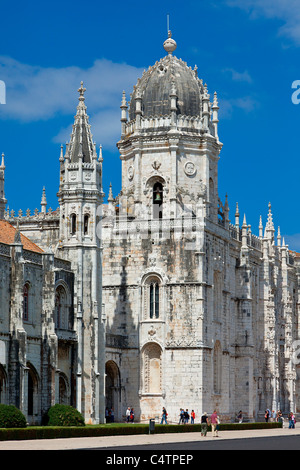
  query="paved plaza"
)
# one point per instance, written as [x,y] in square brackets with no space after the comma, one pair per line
[110,442]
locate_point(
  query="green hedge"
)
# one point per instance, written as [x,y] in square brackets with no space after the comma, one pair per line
[11,417]
[53,432]
[64,415]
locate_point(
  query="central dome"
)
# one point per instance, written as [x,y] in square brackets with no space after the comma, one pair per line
[167,77]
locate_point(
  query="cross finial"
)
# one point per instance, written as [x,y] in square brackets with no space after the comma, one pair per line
[81,91]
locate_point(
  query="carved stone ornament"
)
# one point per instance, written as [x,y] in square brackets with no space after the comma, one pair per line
[130,173]
[189,169]
[156,165]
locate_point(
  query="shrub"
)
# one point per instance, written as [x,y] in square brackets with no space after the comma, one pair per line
[64,415]
[11,417]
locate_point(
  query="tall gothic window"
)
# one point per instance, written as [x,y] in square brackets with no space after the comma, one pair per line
[26,302]
[217,293]
[73,224]
[217,365]
[86,224]
[3,385]
[61,310]
[154,300]
[32,391]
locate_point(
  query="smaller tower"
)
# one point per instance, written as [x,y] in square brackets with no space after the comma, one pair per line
[80,198]
[3,201]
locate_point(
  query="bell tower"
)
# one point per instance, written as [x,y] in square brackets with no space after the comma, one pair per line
[80,198]
[169,145]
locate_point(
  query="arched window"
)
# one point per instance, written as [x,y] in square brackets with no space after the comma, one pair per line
[217,365]
[152,369]
[26,301]
[152,295]
[63,390]
[154,299]
[86,224]
[157,200]
[217,293]
[61,308]
[73,224]
[32,391]
[3,385]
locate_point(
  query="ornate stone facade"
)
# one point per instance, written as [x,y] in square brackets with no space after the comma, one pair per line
[173,304]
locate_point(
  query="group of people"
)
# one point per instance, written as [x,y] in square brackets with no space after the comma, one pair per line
[109,415]
[129,415]
[184,416]
[214,420]
[274,416]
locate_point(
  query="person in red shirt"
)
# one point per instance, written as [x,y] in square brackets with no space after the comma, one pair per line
[192,417]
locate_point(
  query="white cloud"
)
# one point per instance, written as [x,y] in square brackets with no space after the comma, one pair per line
[38,93]
[288,12]
[245,103]
[238,76]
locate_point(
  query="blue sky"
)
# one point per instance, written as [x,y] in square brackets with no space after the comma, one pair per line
[246,50]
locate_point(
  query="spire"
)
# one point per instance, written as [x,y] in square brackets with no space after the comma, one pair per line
[110,194]
[124,108]
[260,227]
[43,201]
[81,142]
[270,225]
[215,109]
[61,157]
[237,215]
[278,237]
[3,201]
[100,159]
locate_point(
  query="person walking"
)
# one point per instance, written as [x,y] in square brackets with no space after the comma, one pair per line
[279,417]
[193,417]
[214,422]
[204,424]
[273,416]
[240,416]
[267,416]
[291,419]
[128,414]
[164,416]
[132,415]
[186,416]
[181,416]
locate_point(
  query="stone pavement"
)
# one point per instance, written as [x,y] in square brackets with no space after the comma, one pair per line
[111,441]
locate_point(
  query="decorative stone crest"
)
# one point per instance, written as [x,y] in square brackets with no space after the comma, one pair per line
[189,169]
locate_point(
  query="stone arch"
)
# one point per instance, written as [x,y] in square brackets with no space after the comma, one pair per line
[62,305]
[113,389]
[217,368]
[33,394]
[155,189]
[27,301]
[3,385]
[152,288]
[152,368]
[64,389]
